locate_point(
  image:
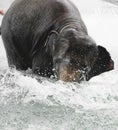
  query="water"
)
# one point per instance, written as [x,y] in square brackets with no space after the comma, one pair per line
[31,103]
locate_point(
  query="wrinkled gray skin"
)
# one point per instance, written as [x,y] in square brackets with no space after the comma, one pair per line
[49,37]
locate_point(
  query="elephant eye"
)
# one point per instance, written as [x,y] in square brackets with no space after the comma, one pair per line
[59,60]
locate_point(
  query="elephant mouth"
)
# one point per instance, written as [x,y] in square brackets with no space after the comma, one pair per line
[68,75]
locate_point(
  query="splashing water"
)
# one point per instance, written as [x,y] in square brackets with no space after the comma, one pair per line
[28,102]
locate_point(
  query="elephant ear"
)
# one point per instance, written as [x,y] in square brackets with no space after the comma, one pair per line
[50,42]
[103,63]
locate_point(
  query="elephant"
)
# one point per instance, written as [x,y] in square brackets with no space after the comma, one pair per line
[50,37]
